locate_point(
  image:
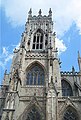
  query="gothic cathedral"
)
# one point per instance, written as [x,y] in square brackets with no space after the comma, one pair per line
[35,88]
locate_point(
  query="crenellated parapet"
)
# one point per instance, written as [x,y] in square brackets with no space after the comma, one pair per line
[69,73]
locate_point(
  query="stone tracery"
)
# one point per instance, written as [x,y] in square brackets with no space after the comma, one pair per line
[35,76]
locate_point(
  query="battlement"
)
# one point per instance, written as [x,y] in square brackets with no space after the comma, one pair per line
[69,73]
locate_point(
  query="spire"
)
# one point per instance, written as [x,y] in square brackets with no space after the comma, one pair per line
[30,13]
[50,12]
[73,70]
[40,12]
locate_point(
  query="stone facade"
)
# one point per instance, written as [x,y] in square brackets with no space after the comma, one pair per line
[36,89]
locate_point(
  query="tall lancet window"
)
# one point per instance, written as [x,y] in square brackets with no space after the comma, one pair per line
[38,40]
[35,76]
[66,88]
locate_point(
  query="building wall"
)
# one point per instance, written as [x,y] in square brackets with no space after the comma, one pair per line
[47,100]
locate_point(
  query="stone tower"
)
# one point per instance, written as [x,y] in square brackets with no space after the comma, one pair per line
[37,89]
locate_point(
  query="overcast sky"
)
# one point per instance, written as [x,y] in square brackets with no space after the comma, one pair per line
[67,24]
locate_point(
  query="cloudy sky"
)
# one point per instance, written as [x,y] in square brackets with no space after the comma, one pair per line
[67,24]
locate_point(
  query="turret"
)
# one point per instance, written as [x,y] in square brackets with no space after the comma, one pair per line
[79,61]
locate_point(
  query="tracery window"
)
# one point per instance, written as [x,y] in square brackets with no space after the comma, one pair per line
[33,115]
[7,117]
[70,115]
[38,40]
[66,88]
[35,76]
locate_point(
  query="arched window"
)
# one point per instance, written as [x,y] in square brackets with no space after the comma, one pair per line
[35,76]
[38,40]
[66,88]
[7,117]
[33,114]
[70,114]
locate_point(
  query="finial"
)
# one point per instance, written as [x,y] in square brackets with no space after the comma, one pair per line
[5,72]
[78,54]
[30,11]
[54,33]
[73,70]
[50,12]
[40,12]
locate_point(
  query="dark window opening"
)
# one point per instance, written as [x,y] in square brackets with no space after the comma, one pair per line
[70,115]
[33,114]
[34,39]
[37,47]
[38,40]
[40,46]
[35,76]
[41,39]
[66,88]
[33,46]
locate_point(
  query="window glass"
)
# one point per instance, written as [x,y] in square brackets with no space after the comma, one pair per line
[38,40]
[35,76]
[40,46]
[70,115]
[66,88]
[33,114]
[33,46]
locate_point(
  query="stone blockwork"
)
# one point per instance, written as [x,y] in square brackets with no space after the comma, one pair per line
[36,89]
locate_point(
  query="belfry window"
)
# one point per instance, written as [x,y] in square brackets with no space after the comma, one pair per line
[38,40]
[70,114]
[35,76]
[66,88]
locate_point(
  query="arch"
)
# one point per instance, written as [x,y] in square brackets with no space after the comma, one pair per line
[66,88]
[38,40]
[33,109]
[33,114]
[36,63]
[38,29]
[70,113]
[35,74]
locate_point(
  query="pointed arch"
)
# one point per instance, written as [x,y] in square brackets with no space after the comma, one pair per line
[35,74]
[34,63]
[33,108]
[70,113]
[66,88]
[33,114]
[38,40]
[38,30]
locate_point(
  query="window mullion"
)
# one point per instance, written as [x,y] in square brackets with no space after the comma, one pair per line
[36,42]
[37,78]
[33,78]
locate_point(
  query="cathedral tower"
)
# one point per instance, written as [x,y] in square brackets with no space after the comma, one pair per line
[37,89]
